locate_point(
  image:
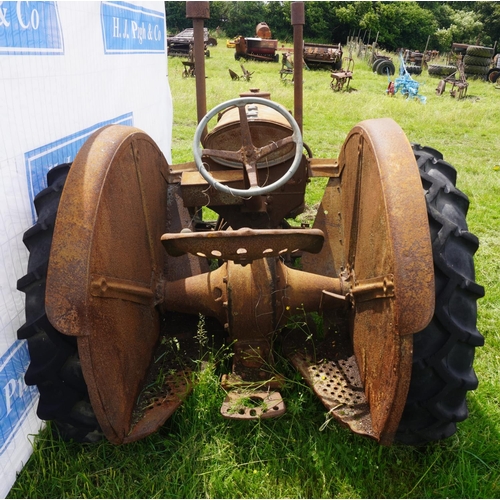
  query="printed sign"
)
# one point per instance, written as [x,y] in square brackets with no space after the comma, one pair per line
[128,29]
[40,160]
[66,70]
[16,398]
[28,28]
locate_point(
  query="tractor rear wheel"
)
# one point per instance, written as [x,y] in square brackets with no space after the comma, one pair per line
[442,371]
[55,365]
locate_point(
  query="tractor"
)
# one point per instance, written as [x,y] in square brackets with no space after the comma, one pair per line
[123,267]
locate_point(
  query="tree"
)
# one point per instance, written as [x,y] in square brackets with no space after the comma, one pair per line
[442,12]
[176,17]
[400,24]
[243,17]
[350,14]
[489,14]
[465,28]
[317,17]
[278,17]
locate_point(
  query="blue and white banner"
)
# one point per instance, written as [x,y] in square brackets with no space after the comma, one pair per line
[16,398]
[66,69]
[28,28]
[128,29]
[40,160]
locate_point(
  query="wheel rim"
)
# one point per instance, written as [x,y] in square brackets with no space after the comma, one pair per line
[105,265]
[379,186]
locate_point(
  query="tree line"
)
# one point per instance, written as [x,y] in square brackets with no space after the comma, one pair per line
[407,24]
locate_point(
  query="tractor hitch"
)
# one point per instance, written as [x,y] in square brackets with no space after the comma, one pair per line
[251,294]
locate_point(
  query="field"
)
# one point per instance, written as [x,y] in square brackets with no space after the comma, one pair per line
[305,454]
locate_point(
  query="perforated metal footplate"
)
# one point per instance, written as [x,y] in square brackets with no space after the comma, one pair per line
[331,370]
[157,404]
[170,377]
[250,406]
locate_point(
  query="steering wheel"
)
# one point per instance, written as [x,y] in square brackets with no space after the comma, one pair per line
[248,154]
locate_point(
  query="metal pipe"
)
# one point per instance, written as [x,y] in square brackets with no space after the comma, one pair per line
[198,11]
[298,21]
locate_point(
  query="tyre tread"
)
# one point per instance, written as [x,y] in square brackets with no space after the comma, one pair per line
[442,372]
[54,365]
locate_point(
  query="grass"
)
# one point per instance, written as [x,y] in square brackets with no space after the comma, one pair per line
[304,454]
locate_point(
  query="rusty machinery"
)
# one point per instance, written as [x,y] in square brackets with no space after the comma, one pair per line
[387,267]
[342,76]
[258,49]
[321,54]
[458,85]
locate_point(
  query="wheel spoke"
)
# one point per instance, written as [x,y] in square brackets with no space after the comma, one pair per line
[251,170]
[246,137]
[248,150]
[225,154]
[269,148]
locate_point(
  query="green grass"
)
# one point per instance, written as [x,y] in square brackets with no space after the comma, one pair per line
[304,454]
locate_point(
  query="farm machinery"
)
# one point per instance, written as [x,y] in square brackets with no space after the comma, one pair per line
[321,54]
[262,47]
[258,49]
[182,43]
[123,268]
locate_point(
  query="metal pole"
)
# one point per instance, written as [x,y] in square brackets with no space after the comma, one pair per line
[298,21]
[198,11]
[426,45]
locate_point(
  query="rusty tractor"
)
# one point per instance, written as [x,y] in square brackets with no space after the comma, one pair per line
[123,267]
